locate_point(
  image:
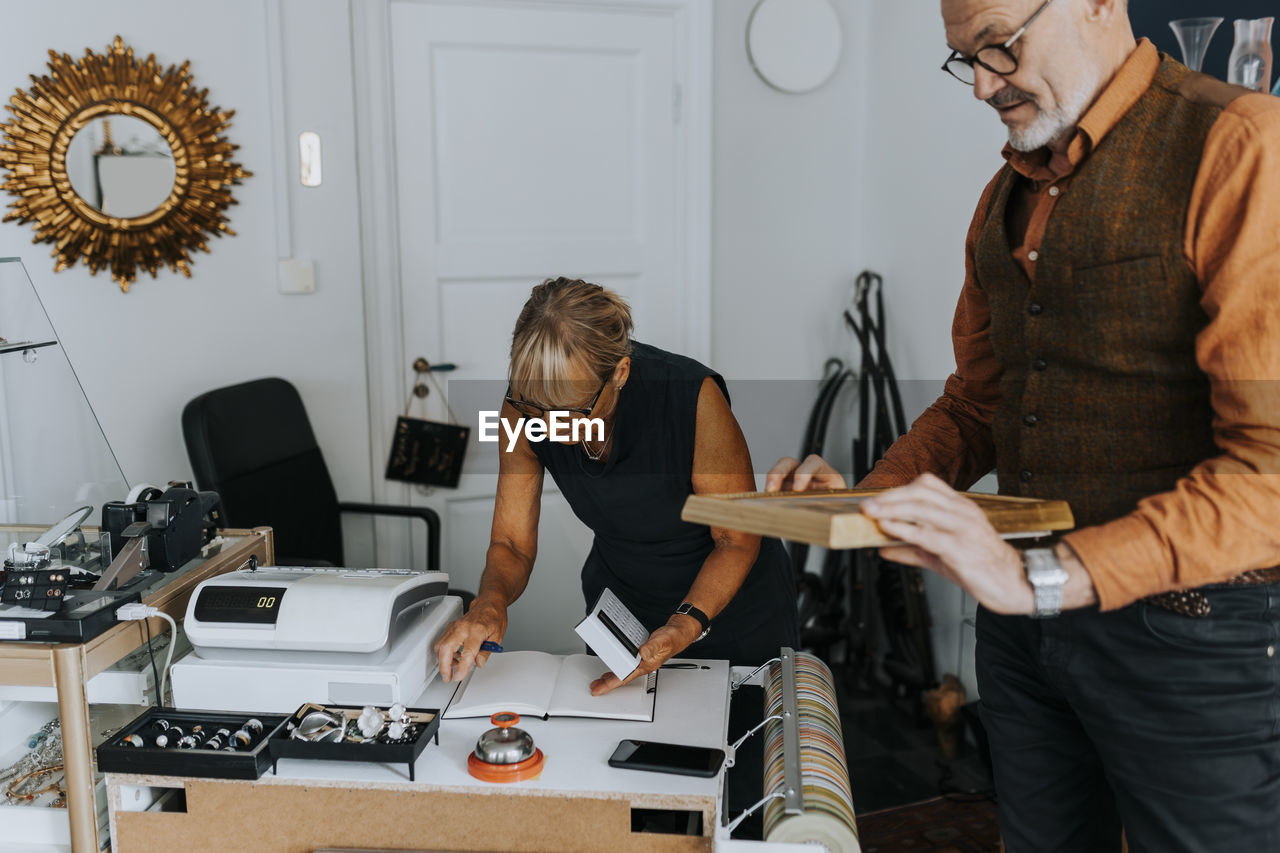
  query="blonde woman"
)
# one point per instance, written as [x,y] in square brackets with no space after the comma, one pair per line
[668,433]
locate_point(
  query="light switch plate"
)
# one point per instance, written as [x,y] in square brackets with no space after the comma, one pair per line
[309,162]
[296,276]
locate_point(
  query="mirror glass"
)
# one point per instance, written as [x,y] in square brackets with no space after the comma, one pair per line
[121,166]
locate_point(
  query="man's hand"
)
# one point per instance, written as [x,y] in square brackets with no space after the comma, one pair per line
[813,473]
[948,533]
[459,648]
[662,645]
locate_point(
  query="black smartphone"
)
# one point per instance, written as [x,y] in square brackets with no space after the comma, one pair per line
[667,758]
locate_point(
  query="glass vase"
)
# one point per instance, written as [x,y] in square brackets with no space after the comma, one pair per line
[1250,63]
[1194,35]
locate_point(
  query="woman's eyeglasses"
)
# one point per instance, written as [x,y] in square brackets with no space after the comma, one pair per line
[537,410]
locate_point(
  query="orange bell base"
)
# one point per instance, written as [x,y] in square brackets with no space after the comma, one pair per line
[521,770]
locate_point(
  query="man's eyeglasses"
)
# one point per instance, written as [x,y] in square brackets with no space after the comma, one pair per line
[996,58]
[537,410]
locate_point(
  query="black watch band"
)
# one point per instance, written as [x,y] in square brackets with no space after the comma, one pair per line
[703,619]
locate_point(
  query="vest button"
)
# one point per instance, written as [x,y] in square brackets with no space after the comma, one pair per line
[1024,475]
[1030,420]
[1053,191]
[1034,308]
[1040,364]
[1033,256]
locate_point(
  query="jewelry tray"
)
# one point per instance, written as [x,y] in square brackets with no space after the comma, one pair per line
[117,756]
[284,746]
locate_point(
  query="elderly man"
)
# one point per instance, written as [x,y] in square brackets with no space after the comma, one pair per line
[1117,341]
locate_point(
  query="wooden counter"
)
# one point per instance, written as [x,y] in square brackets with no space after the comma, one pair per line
[578,803]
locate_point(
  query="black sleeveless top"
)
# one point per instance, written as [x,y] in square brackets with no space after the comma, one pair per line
[632,501]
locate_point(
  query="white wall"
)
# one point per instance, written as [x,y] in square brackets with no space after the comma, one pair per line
[789,201]
[141,356]
[933,149]
[788,205]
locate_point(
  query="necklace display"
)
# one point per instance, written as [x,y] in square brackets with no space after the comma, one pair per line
[33,775]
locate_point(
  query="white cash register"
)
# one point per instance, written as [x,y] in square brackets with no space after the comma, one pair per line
[271,639]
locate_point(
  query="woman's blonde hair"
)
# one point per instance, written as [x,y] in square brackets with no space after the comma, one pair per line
[566,322]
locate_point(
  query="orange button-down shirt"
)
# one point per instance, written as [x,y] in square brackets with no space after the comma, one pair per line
[1224,517]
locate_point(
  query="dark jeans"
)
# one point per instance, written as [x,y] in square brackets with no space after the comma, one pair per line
[1165,725]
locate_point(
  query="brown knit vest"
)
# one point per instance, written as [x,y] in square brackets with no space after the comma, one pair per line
[1102,402]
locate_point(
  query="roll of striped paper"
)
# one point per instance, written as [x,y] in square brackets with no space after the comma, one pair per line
[824,772]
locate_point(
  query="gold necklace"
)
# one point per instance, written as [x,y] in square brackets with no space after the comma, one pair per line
[598,455]
[604,448]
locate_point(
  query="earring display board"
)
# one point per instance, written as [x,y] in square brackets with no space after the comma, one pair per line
[834,519]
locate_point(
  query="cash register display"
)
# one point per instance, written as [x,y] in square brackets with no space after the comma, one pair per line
[253,604]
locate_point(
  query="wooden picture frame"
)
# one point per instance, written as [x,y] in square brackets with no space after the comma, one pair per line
[833,519]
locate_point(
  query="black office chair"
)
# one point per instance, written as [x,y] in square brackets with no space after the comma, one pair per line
[252,444]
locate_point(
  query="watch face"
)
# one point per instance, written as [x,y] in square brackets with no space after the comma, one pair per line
[1043,567]
[1047,575]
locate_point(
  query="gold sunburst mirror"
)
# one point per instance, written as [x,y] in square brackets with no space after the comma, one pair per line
[119,163]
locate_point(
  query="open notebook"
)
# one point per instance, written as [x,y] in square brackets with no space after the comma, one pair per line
[545,685]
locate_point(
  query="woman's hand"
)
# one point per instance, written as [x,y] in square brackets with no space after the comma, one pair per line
[459,648]
[513,546]
[663,644]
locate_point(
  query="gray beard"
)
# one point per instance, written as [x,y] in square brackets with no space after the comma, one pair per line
[1052,125]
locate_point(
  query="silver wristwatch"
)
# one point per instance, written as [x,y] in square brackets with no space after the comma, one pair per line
[1047,577]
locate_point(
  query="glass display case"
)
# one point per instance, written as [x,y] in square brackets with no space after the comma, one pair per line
[57,470]
[53,454]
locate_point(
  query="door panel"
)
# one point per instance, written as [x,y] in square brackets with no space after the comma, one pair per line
[493,120]
[532,140]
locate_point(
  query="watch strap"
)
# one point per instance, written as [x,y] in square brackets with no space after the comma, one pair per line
[704,620]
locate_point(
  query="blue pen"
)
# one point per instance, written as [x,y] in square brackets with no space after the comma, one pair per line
[490,646]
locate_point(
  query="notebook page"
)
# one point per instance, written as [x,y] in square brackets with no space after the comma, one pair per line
[572,696]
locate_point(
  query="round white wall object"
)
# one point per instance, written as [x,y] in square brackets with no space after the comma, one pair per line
[794,45]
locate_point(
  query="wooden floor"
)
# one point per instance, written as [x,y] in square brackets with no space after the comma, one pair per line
[907,797]
[942,825]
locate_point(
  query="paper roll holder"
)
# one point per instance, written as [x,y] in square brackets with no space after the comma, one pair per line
[790,792]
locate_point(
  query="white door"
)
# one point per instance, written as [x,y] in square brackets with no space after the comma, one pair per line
[530,140]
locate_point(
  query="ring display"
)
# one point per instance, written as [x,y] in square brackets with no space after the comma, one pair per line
[209,744]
